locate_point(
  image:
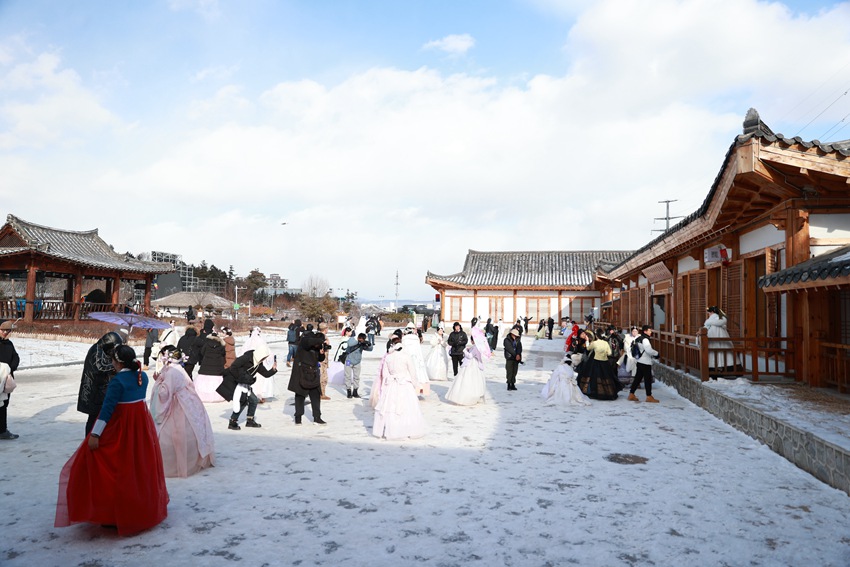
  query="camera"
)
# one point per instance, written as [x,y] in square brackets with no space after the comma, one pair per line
[326,346]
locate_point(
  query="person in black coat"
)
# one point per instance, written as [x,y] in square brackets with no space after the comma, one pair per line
[185,344]
[97,371]
[10,356]
[237,381]
[550,323]
[305,379]
[212,355]
[457,341]
[513,357]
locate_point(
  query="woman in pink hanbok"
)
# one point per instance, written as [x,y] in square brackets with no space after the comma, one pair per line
[397,415]
[182,424]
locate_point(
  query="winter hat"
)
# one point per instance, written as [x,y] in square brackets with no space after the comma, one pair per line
[514,332]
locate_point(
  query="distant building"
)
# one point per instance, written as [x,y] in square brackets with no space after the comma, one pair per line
[535,284]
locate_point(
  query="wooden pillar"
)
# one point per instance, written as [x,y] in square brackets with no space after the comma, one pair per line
[147,302]
[77,296]
[115,291]
[29,309]
[702,337]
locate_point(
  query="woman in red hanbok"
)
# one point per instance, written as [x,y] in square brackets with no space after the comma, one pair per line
[115,478]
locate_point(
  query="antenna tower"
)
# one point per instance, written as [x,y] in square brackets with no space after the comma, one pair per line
[396,288]
[667,218]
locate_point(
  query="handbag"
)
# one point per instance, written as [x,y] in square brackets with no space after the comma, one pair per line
[309,377]
[155,349]
[9,385]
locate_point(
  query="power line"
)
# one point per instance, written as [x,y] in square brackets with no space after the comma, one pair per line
[822,111]
[811,94]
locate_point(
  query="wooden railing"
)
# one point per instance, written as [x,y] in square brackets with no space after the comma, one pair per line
[750,357]
[49,309]
[835,365]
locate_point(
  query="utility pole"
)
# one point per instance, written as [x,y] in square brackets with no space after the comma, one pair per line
[396,289]
[667,218]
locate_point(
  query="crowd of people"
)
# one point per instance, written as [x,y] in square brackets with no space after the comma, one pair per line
[172,436]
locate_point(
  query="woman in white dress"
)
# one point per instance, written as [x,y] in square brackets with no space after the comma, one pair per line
[562,389]
[626,359]
[397,414]
[437,362]
[263,387]
[182,423]
[470,386]
[720,355]
[413,347]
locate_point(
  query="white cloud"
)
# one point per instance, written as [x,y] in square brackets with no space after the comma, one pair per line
[215,73]
[452,44]
[43,104]
[422,166]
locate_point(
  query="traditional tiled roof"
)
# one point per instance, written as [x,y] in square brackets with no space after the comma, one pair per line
[753,128]
[187,298]
[538,269]
[85,248]
[824,268]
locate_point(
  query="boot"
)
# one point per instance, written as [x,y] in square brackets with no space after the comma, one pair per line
[348,393]
[251,422]
[233,425]
[633,398]
[320,421]
[354,393]
[297,420]
[651,400]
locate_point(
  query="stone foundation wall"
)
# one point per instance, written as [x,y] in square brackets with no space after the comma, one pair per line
[823,460]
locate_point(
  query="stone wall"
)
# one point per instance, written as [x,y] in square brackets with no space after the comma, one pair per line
[823,460]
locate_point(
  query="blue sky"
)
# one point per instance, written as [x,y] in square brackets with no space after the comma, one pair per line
[418,129]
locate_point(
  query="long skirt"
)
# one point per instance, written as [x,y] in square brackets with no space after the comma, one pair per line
[599,380]
[470,385]
[205,386]
[437,364]
[120,484]
[398,415]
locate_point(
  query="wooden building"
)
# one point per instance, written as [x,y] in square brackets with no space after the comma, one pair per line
[56,268]
[758,247]
[508,285]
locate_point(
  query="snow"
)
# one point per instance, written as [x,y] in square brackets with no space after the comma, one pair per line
[509,482]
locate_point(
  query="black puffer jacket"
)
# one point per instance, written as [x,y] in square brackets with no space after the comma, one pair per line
[457,340]
[212,355]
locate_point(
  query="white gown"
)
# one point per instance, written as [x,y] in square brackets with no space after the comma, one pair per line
[410,344]
[397,414]
[562,389]
[470,386]
[718,357]
[437,362]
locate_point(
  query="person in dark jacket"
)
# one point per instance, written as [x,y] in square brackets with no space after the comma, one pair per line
[513,357]
[237,381]
[305,379]
[97,371]
[550,323]
[491,331]
[293,337]
[211,363]
[185,344]
[151,337]
[457,342]
[9,355]
[190,316]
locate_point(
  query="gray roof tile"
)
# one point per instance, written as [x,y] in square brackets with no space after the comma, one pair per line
[534,269]
[86,248]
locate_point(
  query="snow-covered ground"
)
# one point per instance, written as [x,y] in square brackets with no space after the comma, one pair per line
[509,482]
